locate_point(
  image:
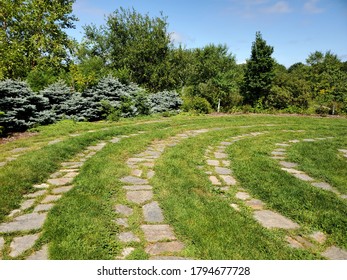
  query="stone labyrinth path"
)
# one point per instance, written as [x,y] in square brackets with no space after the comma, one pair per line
[33,211]
[159,237]
[182,189]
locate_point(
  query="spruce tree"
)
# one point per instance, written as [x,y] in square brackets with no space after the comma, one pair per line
[259,73]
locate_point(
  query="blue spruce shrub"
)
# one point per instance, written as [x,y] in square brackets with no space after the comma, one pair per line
[166,101]
[22,108]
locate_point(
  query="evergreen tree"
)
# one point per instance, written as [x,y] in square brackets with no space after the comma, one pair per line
[259,72]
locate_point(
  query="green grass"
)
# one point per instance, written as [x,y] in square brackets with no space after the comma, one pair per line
[81,225]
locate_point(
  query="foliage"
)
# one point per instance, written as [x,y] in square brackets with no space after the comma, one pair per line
[259,73]
[165,101]
[196,105]
[22,108]
[32,35]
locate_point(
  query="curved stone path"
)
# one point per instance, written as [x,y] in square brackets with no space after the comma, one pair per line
[290,167]
[32,213]
[159,237]
[220,175]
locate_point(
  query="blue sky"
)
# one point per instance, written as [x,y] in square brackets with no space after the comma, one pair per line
[295,28]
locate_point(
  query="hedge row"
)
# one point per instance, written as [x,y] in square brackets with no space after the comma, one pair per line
[109,99]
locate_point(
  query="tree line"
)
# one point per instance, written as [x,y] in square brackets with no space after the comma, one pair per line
[137,48]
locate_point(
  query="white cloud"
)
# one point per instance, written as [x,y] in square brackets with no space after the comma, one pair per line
[280,7]
[179,38]
[311,7]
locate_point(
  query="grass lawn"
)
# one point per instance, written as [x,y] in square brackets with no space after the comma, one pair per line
[81,225]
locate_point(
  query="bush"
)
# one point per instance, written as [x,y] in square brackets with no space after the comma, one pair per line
[22,108]
[197,105]
[165,101]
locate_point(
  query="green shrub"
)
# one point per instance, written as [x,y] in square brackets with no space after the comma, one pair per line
[197,104]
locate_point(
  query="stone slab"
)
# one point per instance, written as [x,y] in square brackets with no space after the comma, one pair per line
[226,163]
[318,236]
[43,207]
[154,233]
[322,185]
[60,181]
[123,210]
[255,204]
[242,195]
[274,153]
[139,197]
[220,155]
[40,255]
[214,181]
[167,258]
[41,186]
[128,237]
[213,162]
[292,171]
[27,204]
[222,170]
[136,172]
[30,221]
[225,143]
[164,247]
[294,243]
[150,174]
[125,253]
[152,213]
[22,243]
[335,253]
[282,144]
[287,164]
[134,180]
[122,222]
[235,206]
[2,243]
[70,175]
[271,219]
[229,180]
[71,164]
[138,188]
[51,198]
[303,177]
[35,194]
[61,190]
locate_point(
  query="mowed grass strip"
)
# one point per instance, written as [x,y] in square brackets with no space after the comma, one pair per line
[203,219]
[82,224]
[314,209]
[323,161]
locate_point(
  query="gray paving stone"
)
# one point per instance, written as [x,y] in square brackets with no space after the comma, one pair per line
[242,195]
[225,143]
[287,164]
[343,151]
[27,204]
[214,180]
[136,172]
[220,155]
[134,180]
[308,140]
[122,222]
[43,207]
[213,162]
[303,241]
[229,180]
[61,190]
[138,188]
[40,255]
[125,253]
[35,194]
[274,153]
[222,170]
[51,198]
[115,140]
[148,164]
[344,196]
[235,206]
[54,141]
[282,144]
[303,177]
[41,186]
[226,163]
[335,253]
[30,221]
[152,213]
[164,247]
[128,237]
[123,210]
[292,171]
[255,204]
[323,185]
[154,233]
[3,163]
[60,181]
[271,219]
[139,197]
[22,243]
[150,174]
[318,236]
[280,150]
[70,175]
[294,243]
[2,243]
[72,164]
